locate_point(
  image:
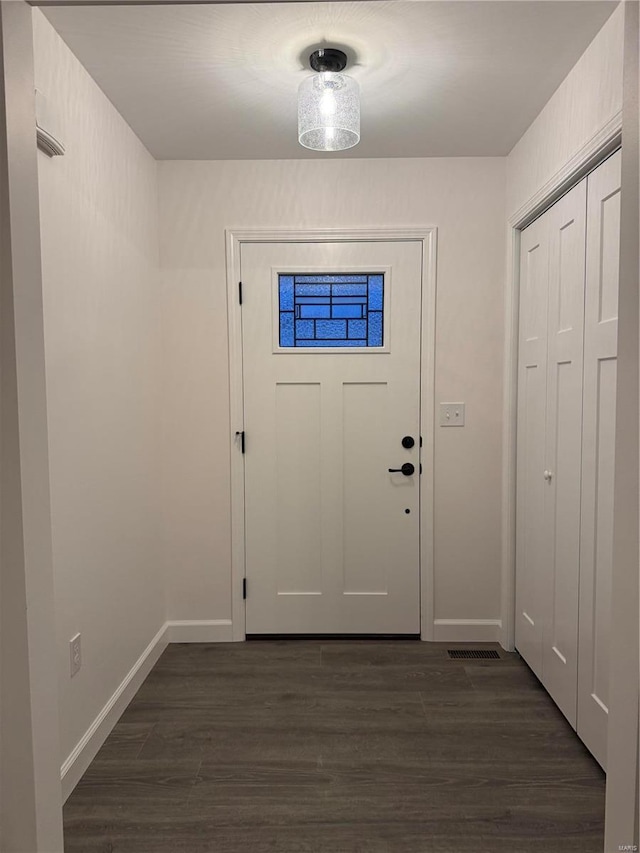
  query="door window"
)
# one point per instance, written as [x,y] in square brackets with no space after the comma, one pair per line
[331,310]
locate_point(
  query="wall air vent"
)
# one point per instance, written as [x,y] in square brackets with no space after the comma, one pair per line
[46,132]
[473,654]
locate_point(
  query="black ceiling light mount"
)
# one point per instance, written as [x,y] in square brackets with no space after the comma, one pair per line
[328,59]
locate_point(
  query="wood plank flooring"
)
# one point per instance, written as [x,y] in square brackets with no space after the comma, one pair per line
[338,747]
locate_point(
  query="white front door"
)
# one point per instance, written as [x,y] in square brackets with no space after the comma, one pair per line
[331,369]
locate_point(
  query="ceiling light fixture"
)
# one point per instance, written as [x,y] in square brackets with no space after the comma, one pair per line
[328,104]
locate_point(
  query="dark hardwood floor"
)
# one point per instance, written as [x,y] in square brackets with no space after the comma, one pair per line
[338,747]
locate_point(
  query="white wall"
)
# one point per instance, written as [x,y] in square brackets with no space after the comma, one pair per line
[588,98]
[198,200]
[102,347]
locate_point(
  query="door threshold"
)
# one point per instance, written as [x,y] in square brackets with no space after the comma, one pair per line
[332,637]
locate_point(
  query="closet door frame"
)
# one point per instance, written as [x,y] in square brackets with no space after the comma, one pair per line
[604,143]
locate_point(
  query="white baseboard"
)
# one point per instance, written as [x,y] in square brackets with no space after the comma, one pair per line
[89,744]
[206,631]
[212,631]
[467,630]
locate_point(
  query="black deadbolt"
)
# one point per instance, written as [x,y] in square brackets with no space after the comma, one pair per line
[407,469]
[408,441]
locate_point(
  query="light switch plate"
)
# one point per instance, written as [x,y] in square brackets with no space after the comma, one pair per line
[452,414]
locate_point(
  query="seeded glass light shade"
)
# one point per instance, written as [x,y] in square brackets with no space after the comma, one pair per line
[329,112]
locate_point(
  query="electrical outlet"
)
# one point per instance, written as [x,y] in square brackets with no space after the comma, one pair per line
[75,654]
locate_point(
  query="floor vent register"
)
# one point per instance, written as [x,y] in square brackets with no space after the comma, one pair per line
[473,654]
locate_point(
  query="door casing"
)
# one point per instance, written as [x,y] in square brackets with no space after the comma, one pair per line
[427,236]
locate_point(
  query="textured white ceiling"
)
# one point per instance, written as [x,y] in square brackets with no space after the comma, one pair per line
[437,78]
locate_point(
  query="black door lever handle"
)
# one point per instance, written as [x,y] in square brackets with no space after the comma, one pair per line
[407,469]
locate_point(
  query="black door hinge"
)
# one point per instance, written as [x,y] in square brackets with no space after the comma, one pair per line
[240,292]
[244,588]
[241,434]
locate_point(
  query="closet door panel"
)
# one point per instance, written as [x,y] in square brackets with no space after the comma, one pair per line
[532,381]
[563,456]
[600,354]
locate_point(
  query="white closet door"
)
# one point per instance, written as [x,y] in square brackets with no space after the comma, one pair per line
[563,456]
[532,389]
[600,352]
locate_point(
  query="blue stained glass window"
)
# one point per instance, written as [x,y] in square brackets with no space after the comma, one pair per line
[357,329]
[286,293]
[347,343]
[312,289]
[331,279]
[352,310]
[304,329]
[376,288]
[374,332]
[287,338]
[332,329]
[316,311]
[331,310]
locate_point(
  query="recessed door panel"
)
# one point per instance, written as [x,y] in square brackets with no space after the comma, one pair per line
[366,555]
[601,539]
[609,241]
[298,488]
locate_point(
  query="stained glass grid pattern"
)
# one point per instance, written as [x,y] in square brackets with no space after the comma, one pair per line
[331,310]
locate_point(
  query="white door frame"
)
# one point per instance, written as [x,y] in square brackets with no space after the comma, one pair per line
[427,236]
[31,803]
[600,146]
